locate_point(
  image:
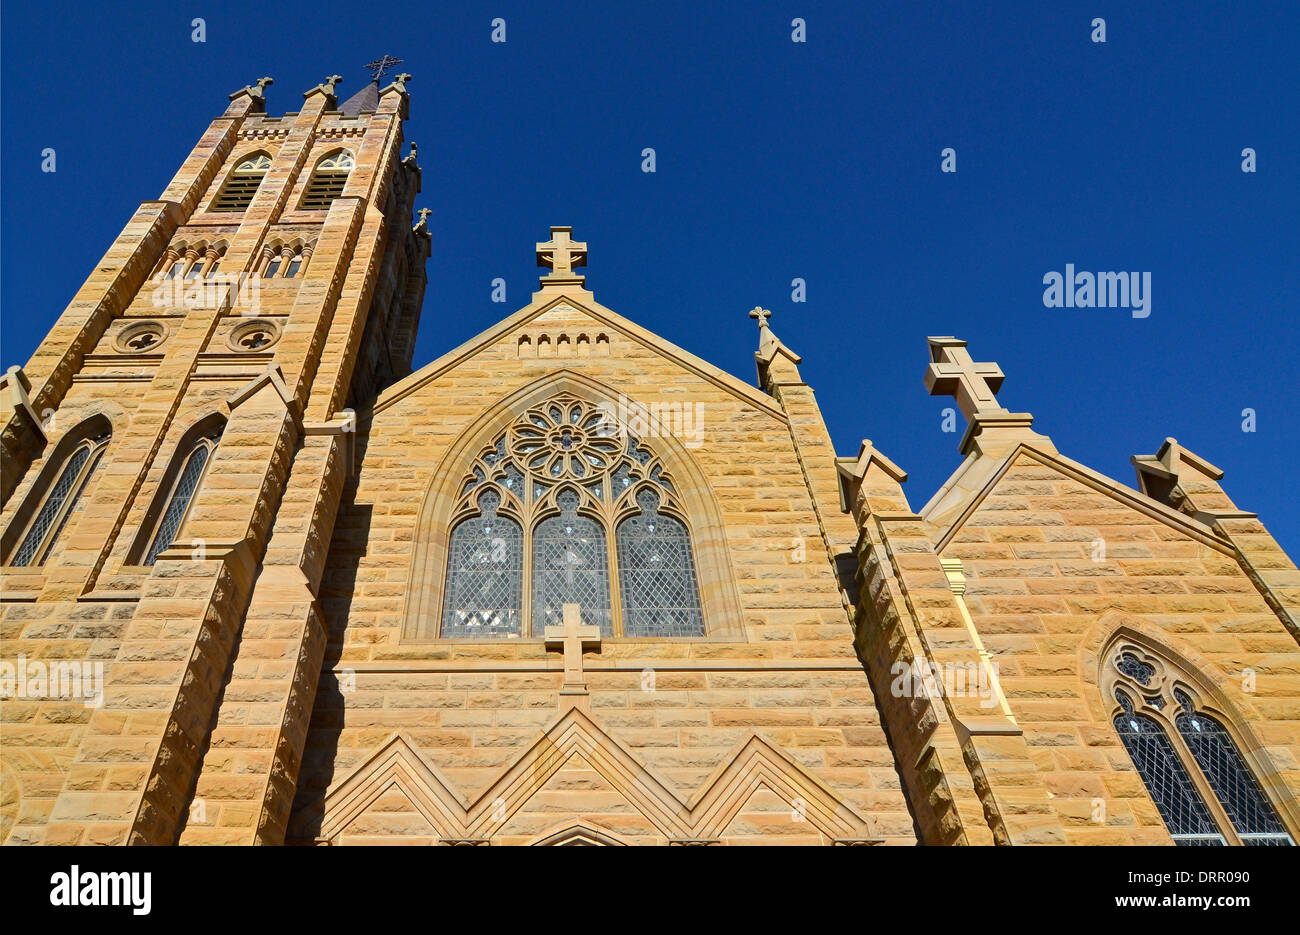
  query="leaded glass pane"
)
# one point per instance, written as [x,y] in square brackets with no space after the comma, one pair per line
[570,566]
[50,510]
[657,574]
[180,502]
[1228,775]
[1176,798]
[485,568]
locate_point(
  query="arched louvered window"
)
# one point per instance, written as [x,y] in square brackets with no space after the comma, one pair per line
[657,574]
[485,568]
[591,507]
[1252,815]
[59,501]
[1201,785]
[181,495]
[327,181]
[242,184]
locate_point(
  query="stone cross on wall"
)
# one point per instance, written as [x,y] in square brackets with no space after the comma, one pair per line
[953,373]
[561,254]
[574,639]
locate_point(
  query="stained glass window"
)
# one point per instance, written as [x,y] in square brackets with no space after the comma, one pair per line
[1185,756]
[657,574]
[570,566]
[182,494]
[1175,795]
[566,475]
[485,568]
[53,515]
[1234,786]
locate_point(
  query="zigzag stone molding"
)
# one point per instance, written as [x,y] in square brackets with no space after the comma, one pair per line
[755,765]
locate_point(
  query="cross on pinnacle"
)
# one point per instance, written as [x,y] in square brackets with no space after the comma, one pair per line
[561,254]
[381,66]
[954,373]
[762,314]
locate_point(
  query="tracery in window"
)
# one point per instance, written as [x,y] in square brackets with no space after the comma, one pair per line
[181,495]
[584,497]
[45,527]
[1202,786]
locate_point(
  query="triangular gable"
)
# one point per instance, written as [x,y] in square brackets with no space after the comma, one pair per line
[756,764]
[1085,475]
[604,316]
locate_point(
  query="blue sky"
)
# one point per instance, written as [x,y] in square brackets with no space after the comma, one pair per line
[775,160]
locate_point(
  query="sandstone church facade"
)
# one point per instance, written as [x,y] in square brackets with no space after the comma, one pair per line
[569,583]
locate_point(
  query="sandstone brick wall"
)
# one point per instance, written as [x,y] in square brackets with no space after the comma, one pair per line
[472,708]
[1045,604]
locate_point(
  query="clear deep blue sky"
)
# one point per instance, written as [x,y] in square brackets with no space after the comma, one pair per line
[775,160]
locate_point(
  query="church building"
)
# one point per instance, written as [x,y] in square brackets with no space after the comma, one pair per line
[262,582]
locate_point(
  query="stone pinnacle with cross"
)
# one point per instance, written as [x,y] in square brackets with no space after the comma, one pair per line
[574,639]
[762,314]
[952,372]
[561,255]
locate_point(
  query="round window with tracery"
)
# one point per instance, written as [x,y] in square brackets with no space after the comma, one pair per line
[253,336]
[565,439]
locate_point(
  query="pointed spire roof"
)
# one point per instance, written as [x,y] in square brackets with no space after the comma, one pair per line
[365,101]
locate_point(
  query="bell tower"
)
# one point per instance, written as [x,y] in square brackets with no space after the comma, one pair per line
[273,288]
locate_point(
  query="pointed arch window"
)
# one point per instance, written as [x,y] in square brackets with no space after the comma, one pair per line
[181,495]
[484,574]
[1202,786]
[242,184]
[570,566]
[59,501]
[592,508]
[328,180]
[657,574]
[1252,815]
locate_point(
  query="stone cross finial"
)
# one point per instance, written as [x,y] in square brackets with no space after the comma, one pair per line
[326,87]
[255,92]
[561,254]
[422,224]
[400,81]
[574,639]
[762,314]
[953,373]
